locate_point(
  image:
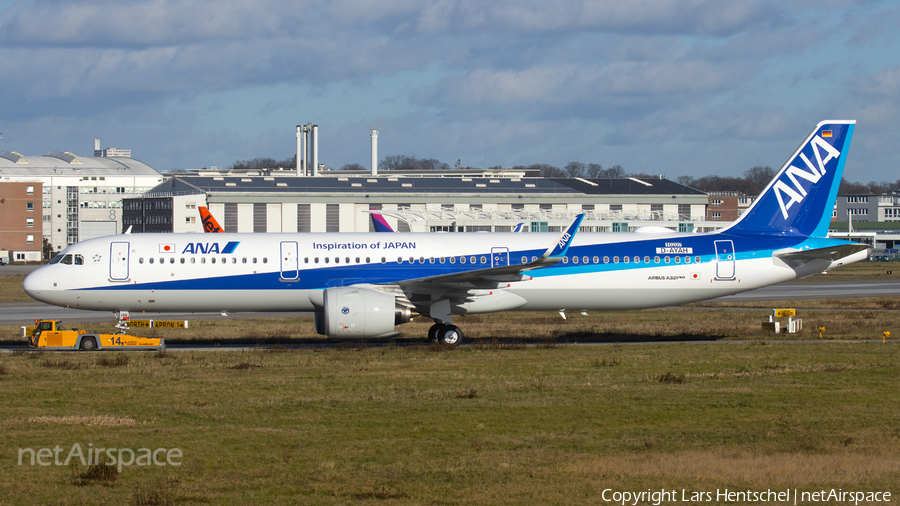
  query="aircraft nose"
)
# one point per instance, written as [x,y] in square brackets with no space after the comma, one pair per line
[33,284]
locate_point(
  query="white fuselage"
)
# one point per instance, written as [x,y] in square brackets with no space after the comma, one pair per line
[284,272]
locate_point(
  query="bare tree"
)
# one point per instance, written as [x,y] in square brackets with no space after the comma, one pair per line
[353,166]
[685,180]
[759,177]
[616,171]
[594,171]
[575,169]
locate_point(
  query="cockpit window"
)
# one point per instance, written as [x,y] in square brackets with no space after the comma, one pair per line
[67,260]
[79,260]
[56,259]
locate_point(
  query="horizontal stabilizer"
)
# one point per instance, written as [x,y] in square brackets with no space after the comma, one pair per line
[831,254]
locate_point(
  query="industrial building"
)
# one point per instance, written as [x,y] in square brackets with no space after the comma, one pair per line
[81,197]
[20,222]
[338,203]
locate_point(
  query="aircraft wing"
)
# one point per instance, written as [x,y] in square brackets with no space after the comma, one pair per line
[507,273]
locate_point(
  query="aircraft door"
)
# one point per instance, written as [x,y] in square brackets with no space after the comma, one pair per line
[724,260]
[289,261]
[118,261]
[499,257]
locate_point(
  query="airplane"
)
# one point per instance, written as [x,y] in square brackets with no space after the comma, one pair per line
[210,225]
[363,285]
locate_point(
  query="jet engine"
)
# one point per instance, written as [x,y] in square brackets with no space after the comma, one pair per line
[359,312]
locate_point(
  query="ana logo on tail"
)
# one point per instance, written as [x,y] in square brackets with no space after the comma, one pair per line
[795,191]
[210,225]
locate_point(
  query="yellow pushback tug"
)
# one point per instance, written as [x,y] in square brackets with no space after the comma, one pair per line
[49,335]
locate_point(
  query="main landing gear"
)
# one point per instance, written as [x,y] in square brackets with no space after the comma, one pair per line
[445,334]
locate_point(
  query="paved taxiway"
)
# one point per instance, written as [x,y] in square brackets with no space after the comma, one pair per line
[24,313]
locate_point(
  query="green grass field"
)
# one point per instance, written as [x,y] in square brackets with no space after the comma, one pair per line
[492,424]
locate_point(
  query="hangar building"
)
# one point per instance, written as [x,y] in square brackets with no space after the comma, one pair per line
[338,203]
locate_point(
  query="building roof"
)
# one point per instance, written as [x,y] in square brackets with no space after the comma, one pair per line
[537,186]
[56,163]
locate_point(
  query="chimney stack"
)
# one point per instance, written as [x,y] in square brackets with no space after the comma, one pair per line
[374,134]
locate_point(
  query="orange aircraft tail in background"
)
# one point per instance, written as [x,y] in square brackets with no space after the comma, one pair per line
[210,225]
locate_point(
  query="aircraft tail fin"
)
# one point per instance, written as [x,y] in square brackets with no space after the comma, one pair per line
[210,225]
[380,224]
[799,201]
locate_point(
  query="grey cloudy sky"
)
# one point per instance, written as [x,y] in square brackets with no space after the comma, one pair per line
[674,87]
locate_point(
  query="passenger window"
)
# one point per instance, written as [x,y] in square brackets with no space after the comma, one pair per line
[696,260]
[534,259]
[646,260]
[412,260]
[383,260]
[162,260]
[337,260]
[452,260]
[524,260]
[656,259]
[327,260]
[565,260]
[596,260]
[431,260]
[171,260]
[606,260]
[637,259]
[442,259]
[202,260]
[575,260]
[212,260]
[79,260]
[399,260]
[254,259]
[151,260]
[472,259]
[357,259]
[687,260]
[182,260]
[615,260]
[462,260]
[244,260]
[626,259]
[316,260]
[193,260]
[141,260]
[677,260]
[484,260]
[224,260]
[667,259]
[67,260]
[265,260]
[585,259]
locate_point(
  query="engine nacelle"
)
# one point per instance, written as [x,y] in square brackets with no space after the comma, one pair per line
[359,312]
